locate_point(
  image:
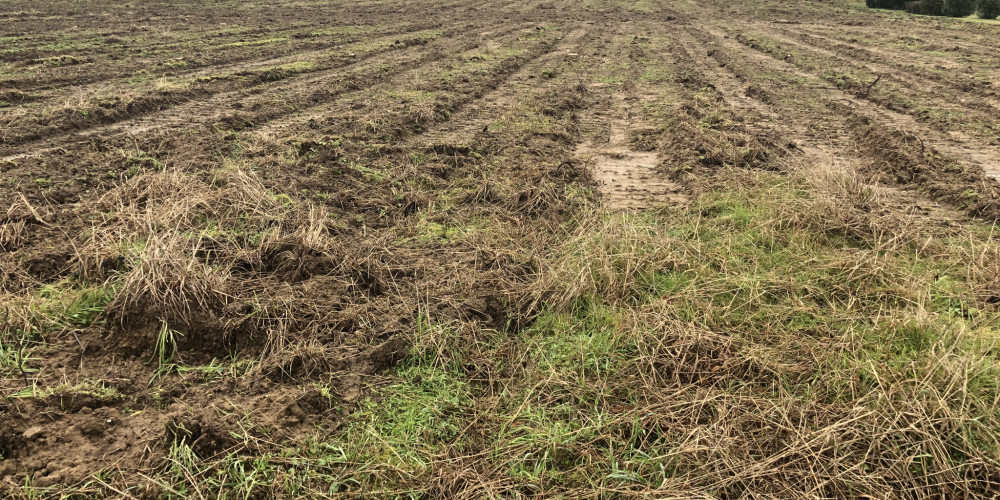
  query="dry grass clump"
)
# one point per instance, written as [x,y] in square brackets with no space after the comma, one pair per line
[984,268]
[176,200]
[13,224]
[12,235]
[168,282]
[300,247]
[606,256]
[841,202]
[171,237]
[196,251]
[672,352]
[16,316]
[975,255]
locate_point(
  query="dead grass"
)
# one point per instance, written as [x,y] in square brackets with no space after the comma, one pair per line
[11,235]
[169,283]
[765,341]
[606,256]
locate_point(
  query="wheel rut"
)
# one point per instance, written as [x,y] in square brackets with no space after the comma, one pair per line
[627,178]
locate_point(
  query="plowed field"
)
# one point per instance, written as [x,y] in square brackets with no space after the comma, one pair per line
[419,248]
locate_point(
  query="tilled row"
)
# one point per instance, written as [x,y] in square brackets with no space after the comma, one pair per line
[820,121]
[58,60]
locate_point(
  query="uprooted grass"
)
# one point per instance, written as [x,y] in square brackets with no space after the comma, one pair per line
[183,253]
[781,337]
[191,251]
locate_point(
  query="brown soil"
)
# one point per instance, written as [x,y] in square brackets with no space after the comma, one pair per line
[625,165]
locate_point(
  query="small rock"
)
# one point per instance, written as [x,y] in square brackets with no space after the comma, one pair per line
[32,433]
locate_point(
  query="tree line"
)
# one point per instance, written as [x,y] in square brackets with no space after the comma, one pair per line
[986,9]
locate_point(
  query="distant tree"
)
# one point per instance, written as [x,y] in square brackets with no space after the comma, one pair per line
[958,8]
[988,9]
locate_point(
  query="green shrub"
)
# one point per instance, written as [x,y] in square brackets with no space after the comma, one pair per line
[958,8]
[926,7]
[988,9]
[885,4]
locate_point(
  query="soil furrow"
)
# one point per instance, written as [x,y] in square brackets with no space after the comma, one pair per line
[363,105]
[276,81]
[914,83]
[529,82]
[104,81]
[934,69]
[962,149]
[327,85]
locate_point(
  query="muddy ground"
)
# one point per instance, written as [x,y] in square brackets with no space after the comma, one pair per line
[219,222]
